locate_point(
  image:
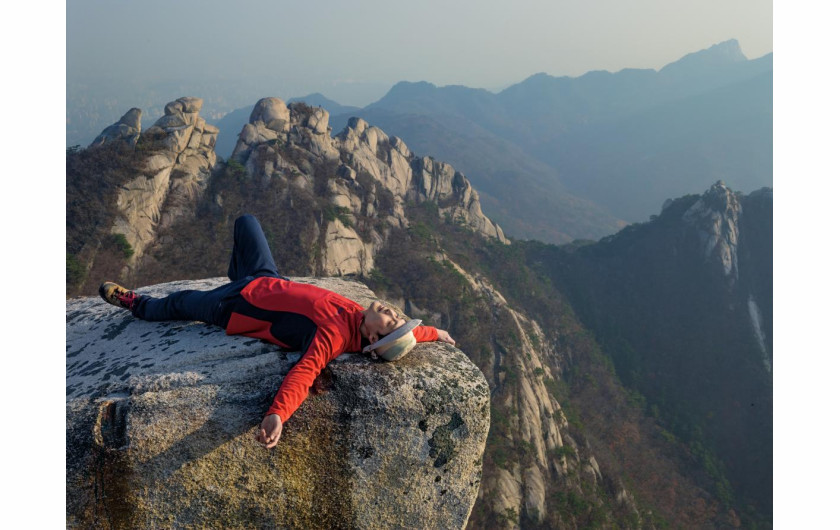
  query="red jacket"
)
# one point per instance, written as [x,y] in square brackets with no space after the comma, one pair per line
[297,316]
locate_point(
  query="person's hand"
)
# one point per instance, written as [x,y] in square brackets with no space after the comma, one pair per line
[443,336]
[268,433]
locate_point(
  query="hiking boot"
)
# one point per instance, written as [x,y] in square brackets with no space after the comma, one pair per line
[118,296]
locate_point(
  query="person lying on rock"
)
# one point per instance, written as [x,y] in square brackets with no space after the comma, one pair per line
[260,303]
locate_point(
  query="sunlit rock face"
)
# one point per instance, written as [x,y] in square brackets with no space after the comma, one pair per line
[181,157]
[716,216]
[126,129]
[161,418]
[369,174]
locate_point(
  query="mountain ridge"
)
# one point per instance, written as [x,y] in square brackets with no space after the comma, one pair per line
[501,153]
[561,125]
[714,249]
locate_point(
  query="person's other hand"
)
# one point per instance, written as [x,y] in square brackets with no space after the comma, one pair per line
[443,336]
[268,433]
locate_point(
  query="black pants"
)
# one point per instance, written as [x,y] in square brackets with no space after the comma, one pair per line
[249,259]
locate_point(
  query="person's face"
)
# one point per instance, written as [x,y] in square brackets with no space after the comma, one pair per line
[379,321]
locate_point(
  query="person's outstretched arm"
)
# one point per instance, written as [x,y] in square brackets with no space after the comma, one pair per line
[295,388]
[429,334]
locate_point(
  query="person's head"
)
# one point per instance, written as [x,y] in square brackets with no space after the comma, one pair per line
[379,320]
[390,336]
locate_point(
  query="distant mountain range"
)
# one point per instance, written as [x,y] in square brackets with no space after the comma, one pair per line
[562,158]
[624,141]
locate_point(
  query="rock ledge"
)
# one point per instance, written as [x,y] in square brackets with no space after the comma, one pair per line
[161,419]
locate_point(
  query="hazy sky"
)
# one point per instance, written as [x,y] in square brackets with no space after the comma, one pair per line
[330,46]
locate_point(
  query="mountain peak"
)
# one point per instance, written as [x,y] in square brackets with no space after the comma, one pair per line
[317,99]
[410,89]
[720,54]
[728,48]
[716,217]
[314,96]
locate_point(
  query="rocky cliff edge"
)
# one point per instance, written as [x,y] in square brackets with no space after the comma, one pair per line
[161,419]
